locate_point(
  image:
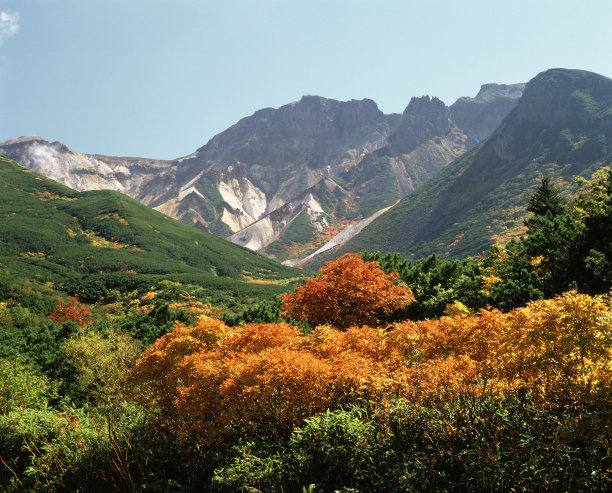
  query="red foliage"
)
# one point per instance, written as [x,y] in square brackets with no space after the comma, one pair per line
[348,292]
[71,311]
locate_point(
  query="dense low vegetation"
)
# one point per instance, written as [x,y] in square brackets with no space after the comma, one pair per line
[517,400]
[87,244]
[378,374]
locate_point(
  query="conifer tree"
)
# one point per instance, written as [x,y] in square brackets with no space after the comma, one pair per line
[594,250]
[546,200]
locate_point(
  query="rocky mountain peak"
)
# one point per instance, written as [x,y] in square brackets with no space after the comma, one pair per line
[583,95]
[423,119]
[552,115]
[311,109]
[24,140]
[418,106]
[480,116]
[490,92]
[287,149]
[311,100]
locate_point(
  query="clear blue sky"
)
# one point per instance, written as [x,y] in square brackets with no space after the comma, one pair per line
[159,78]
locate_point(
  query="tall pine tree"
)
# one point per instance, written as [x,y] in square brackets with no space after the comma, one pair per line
[593,263]
[546,200]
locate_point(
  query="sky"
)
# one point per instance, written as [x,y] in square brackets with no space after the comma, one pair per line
[159,78]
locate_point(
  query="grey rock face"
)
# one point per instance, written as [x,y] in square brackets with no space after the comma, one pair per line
[479,116]
[137,177]
[284,151]
[423,119]
[337,162]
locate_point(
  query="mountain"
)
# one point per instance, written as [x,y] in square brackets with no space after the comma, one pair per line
[285,181]
[561,127]
[85,243]
[274,156]
[425,140]
[136,177]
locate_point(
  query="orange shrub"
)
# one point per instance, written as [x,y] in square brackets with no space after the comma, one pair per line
[271,390]
[212,380]
[71,311]
[347,292]
[475,337]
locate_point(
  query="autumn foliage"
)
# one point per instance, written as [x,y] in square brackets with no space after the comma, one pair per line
[214,380]
[264,376]
[348,292]
[71,311]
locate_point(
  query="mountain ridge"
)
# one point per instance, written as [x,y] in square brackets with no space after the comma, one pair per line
[86,243]
[252,181]
[561,127]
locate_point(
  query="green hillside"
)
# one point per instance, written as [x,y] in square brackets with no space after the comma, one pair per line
[562,127]
[87,243]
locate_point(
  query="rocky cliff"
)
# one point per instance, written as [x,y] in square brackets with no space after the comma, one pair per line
[561,127]
[285,181]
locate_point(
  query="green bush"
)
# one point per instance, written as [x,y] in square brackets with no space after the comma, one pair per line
[22,386]
[466,444]
[77,450]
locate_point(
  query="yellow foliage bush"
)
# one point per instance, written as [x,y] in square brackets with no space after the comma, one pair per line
[213,379]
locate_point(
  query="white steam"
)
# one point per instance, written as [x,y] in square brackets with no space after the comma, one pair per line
[44,159]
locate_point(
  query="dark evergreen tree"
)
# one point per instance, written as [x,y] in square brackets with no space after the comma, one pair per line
[566,247]
[546,200]
[593,254]
[435,282]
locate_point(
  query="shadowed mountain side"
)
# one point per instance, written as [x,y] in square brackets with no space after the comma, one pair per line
[561,127]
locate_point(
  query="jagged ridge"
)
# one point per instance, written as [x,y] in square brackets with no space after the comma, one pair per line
[340,162]
[562,126]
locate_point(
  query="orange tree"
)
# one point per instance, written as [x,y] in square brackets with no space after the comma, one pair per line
[71,311]
[348,292]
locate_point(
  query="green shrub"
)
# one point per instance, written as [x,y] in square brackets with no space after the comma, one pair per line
[77,450]
[463,444]
[22,386]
